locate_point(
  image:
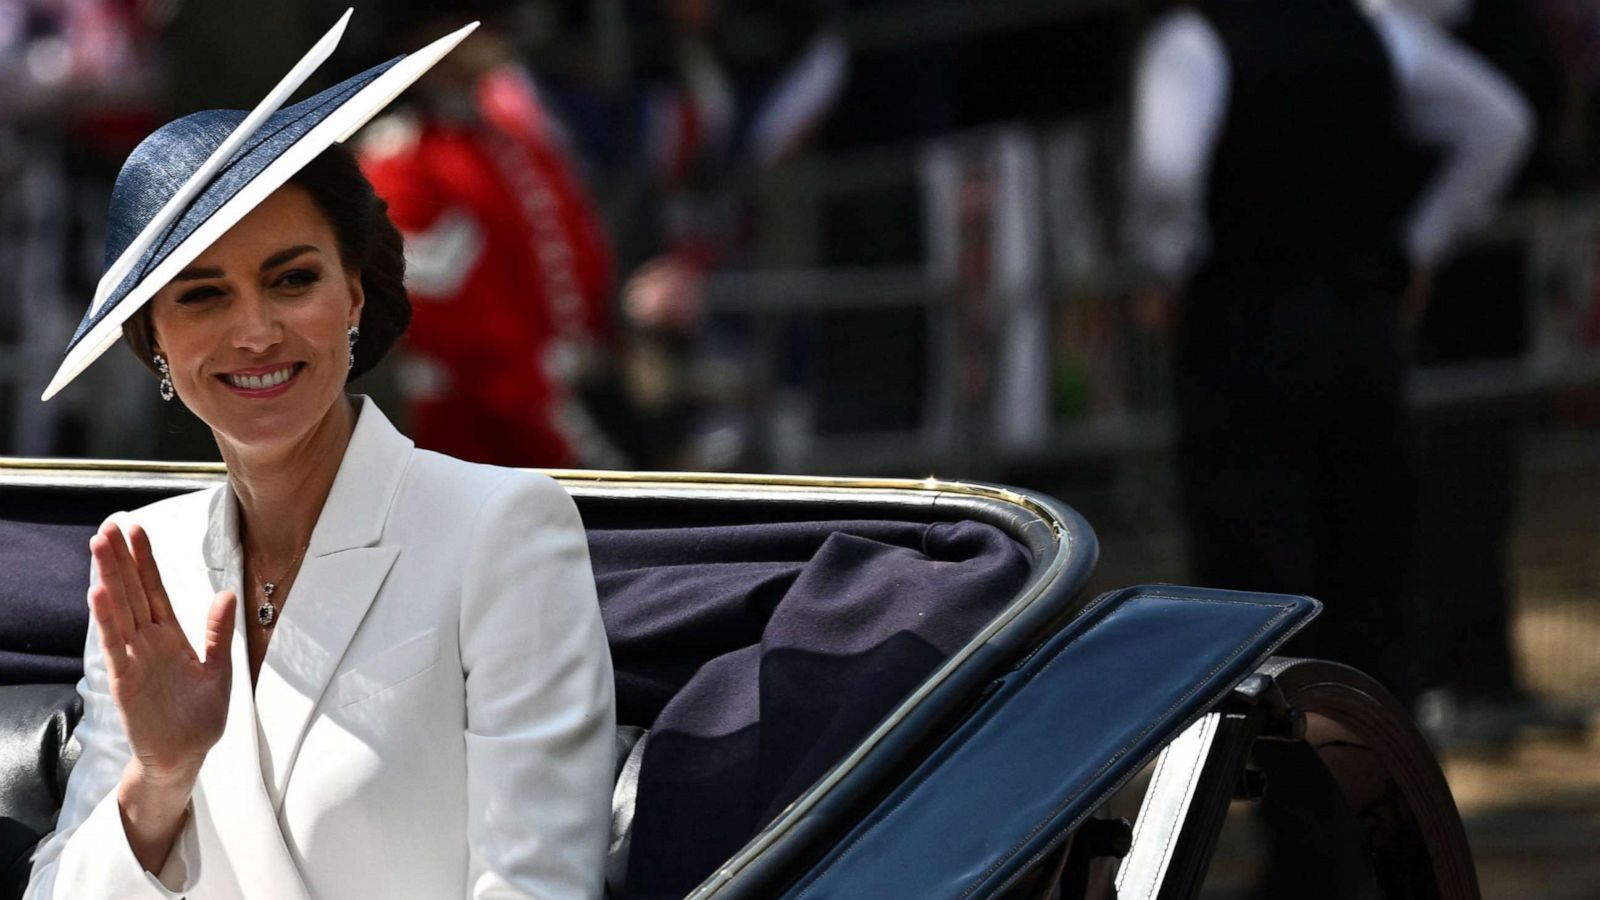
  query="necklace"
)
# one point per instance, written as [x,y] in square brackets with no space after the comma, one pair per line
[267,613]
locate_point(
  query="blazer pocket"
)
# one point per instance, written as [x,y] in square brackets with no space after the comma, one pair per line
[402,662]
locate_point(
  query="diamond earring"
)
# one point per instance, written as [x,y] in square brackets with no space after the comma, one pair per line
[354,334]
[167,391]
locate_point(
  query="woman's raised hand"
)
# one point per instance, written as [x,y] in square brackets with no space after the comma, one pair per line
[173,704]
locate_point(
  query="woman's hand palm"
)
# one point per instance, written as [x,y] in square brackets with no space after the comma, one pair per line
[174,704]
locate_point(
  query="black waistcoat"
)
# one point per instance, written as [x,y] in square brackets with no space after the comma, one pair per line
[1305,181]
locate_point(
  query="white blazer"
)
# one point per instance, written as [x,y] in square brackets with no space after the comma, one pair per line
[434,717]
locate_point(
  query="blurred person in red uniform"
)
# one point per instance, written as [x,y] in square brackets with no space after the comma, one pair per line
[508,267]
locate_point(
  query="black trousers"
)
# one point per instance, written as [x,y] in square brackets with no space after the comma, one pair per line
[1469,493]
[1294,455]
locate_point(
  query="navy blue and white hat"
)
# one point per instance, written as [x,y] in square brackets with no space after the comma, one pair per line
[185,185]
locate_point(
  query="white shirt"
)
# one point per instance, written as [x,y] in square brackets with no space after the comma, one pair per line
[1449,99]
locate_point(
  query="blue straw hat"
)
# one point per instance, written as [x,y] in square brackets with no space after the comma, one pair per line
[186,184]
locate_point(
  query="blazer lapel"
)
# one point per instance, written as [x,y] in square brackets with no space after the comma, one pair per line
[331,596]
[343,571]
[231,793]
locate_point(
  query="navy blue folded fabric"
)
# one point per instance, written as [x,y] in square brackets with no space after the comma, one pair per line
[760,655]
[44,616]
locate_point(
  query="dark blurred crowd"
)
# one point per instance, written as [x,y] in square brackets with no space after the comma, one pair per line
[1296,195]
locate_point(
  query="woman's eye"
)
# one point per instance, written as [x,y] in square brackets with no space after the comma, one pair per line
[198,295]
[299,278]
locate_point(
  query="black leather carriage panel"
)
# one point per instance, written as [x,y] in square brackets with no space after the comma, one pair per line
[1057,737]
[36,755]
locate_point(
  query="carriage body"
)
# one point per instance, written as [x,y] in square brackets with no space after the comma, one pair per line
[978,756]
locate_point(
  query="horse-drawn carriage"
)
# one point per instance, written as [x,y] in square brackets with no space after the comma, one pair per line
[844,688]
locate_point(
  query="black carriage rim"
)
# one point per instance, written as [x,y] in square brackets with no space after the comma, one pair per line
[1330,745]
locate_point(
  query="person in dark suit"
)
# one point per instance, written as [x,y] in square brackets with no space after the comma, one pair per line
[1268,192]
[1271,190]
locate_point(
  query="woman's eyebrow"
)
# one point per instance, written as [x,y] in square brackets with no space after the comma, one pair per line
[276,259]
[283,256]
[196,274]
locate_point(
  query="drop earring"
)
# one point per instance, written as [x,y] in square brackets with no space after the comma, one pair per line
[354,334]
[167,391]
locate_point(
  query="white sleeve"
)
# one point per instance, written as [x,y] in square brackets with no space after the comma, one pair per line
[439,258]
[541,717]
[1452,100]
[88,855]
[794,107]
[1180,97]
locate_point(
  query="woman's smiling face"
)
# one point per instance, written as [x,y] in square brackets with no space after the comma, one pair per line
[254,330]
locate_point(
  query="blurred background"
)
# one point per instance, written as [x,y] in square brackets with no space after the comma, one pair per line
[1321,275]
